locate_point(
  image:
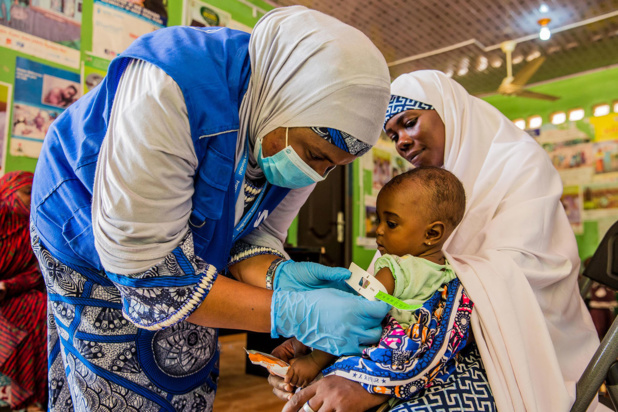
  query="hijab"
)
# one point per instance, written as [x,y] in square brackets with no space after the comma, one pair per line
[311,70]
[514,251]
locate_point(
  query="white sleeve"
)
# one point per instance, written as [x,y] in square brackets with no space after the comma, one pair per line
[144,178]
[273,231]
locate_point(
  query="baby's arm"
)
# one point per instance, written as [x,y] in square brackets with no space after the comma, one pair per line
[303,370]
[385,276]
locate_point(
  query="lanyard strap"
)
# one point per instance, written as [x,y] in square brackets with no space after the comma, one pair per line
[239,175]
[249,215]
[239,179]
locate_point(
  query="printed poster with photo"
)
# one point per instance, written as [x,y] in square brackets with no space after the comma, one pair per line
[600,199]
[376,169]
[605,156]
[367,236]
[41,94]
[572,156]
[50,29]
[116,23]
[200,13]
[382,170]
[399,165]
[5,103]
[154,11]
[572,202]
[94,70]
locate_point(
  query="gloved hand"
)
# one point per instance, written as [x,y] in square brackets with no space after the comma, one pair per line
[303,276]
[331,320]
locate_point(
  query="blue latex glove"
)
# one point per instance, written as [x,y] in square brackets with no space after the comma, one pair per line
[303,276]
[331,320]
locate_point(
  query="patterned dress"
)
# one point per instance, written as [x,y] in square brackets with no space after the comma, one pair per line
[101,361]
[425,366]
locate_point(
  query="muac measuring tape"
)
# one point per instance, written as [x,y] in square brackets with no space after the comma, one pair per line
[369,287]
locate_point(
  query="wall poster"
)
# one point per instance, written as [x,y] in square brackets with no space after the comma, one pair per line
[5,103]
[93,71]
[199,13]
[41,93]
[50,29]
[377,167]
[116,23]
[586,156]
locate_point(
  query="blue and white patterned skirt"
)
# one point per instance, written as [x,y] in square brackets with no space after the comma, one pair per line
[465,390]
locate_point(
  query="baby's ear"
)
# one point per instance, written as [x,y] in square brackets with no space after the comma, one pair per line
[435,232]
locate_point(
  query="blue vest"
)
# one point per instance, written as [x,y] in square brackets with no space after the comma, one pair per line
[212,68]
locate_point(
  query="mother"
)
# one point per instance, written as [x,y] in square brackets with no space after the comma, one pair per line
[198,139]
[514,252]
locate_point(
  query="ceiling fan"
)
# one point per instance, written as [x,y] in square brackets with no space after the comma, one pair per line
[514,85]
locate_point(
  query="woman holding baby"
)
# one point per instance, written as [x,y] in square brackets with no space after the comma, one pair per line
[514,253]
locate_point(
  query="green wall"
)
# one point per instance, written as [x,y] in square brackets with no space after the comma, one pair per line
[360,255]
[239,11]
[584,91]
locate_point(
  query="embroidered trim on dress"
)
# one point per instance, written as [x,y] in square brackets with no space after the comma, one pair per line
[242,250]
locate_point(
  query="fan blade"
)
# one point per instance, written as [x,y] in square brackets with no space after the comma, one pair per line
[522,76]
[507,87]
[534,95]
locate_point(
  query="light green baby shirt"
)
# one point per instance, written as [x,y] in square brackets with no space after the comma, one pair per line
[416,280]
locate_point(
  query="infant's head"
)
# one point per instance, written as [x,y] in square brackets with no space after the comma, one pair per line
[418,210]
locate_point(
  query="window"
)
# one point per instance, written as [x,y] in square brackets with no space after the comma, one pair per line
[558,118]
[576,114]
[521,123]
[600,110]
[534,122]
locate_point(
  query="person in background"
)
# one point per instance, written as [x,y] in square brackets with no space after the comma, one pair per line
[189,160]
[514,252]
[23,307]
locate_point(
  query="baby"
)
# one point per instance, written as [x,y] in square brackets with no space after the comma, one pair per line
[417,212]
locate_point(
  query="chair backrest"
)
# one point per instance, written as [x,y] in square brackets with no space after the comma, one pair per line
[603,266]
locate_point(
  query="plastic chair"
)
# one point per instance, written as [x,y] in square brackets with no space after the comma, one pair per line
[603,368]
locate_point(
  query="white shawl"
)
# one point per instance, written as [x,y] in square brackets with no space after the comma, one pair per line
[514,251]
[311,70]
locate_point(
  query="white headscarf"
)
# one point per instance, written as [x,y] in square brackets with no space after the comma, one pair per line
[310,69]
[514,251]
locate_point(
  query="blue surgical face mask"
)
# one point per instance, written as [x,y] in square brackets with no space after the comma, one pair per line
[286,168]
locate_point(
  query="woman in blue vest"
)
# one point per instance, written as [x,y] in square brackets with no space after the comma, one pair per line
[192,157]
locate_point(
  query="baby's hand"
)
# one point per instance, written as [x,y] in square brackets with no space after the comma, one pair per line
[302,371]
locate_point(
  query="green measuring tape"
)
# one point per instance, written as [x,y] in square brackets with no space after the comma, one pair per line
[393,301]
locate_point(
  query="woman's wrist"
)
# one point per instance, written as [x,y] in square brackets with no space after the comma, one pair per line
[270,273]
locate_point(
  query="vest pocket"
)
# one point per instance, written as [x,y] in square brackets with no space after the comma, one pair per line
[211,186]
[213,181]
